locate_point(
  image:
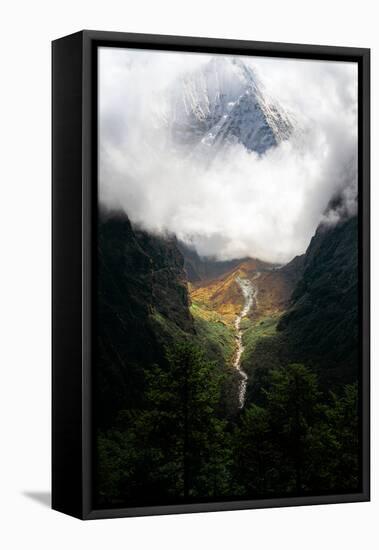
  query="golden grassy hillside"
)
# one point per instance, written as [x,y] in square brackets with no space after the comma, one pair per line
[222,296]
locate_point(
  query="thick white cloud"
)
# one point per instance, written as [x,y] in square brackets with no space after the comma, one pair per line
[241,204]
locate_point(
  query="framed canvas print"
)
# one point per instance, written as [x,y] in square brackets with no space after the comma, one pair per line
[210,274]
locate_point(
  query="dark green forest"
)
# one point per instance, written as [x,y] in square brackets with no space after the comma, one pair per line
[167,426]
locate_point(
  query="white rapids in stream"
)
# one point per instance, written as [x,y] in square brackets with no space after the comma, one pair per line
[249,292]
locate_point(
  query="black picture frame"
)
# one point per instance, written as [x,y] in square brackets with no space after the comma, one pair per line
[74,205]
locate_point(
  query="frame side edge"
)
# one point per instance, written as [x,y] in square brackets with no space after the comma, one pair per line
[66,275]
[366,155]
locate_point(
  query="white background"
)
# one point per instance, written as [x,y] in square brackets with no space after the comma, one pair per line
[27,29]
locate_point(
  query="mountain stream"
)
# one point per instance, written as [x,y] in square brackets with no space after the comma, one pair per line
[249,291]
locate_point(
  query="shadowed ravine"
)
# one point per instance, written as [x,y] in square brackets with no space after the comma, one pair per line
[249,292]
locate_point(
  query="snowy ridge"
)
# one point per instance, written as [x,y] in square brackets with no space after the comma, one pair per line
[225,102]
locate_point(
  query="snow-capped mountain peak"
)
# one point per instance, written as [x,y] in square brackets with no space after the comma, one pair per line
[225,102]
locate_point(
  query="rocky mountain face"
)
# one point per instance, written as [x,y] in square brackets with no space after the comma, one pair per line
[293,271]
[320,325]
[224,102]
[322,321]
[141,285]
